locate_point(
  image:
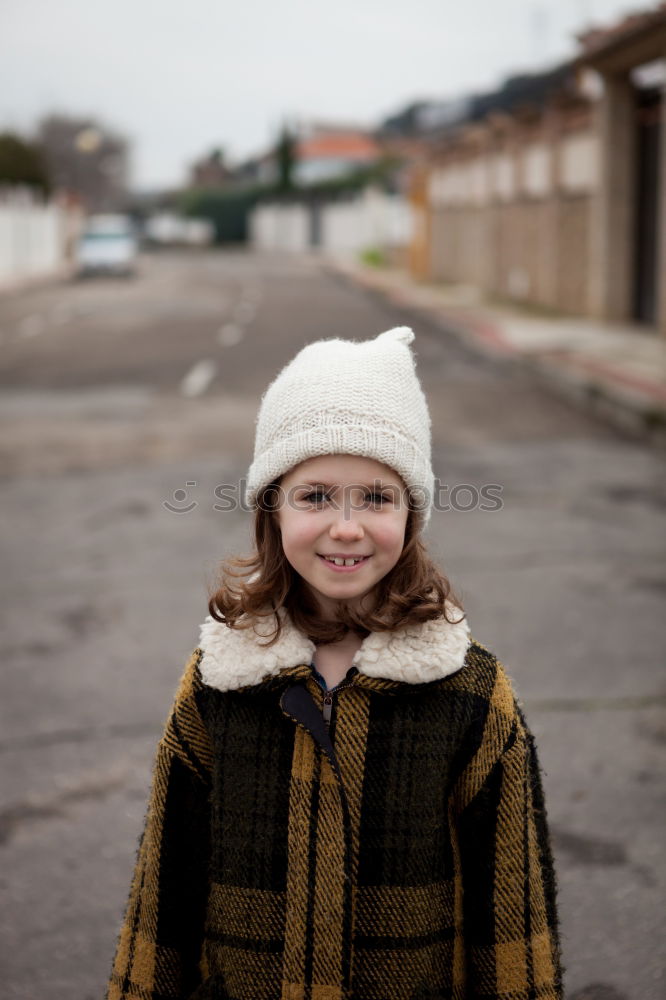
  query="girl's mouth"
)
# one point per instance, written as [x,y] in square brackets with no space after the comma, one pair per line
[343,565]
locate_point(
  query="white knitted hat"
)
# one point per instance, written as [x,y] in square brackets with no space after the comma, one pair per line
[341,397]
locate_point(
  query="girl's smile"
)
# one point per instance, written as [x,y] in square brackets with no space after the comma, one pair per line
[344,564]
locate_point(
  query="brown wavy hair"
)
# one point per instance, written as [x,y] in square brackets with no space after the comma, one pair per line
[255,587]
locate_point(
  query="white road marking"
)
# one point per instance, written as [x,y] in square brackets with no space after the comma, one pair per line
[229,335]
[198,378]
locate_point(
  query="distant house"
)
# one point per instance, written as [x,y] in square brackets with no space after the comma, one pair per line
[321,153]
[261,169]
[210,172]
[325,153]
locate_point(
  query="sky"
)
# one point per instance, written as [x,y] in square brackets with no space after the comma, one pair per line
[182,77]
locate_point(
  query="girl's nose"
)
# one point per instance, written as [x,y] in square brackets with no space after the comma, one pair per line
[346,526]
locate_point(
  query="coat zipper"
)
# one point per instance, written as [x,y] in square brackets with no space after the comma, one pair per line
[327,712]
[327,709]
[329,751]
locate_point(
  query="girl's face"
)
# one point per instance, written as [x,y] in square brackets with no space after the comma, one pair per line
[342,507]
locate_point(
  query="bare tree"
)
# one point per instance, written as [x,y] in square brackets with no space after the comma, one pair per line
[87,159]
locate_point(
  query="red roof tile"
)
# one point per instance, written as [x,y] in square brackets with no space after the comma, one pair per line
[352,145]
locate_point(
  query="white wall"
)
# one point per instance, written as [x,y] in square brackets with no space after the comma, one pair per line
[581,157]
[36,237]
[372,219]
[503,177]
[167,228]
[280,227]
[537,170]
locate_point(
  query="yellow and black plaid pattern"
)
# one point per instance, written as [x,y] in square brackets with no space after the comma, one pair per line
[158,952]
[403,855]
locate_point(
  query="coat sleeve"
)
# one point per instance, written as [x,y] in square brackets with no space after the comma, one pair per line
[159,948]
[509,907]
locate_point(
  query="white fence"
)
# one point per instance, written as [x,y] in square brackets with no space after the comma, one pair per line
[36,236]
[372,219]
[280,227]
[167,229]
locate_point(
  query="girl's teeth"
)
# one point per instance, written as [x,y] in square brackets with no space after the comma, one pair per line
[344,562]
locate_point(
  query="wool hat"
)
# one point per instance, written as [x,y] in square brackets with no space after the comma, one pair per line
[347,397]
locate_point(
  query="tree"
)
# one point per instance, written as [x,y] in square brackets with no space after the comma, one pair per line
[87,159]
[285,154]
[22,162]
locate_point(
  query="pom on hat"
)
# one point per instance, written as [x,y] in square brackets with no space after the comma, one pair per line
[343,397]
[401,334]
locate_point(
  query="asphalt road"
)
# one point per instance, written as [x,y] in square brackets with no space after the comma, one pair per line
[123,406]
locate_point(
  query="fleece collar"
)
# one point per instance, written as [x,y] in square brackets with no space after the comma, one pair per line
[418,654]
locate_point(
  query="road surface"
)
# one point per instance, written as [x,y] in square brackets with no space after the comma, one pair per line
[124,405]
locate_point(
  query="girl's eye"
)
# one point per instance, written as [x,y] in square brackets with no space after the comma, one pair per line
[319,497]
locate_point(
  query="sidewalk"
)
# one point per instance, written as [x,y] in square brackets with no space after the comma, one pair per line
[617,371]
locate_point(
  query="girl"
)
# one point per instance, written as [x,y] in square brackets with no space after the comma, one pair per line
[346,801]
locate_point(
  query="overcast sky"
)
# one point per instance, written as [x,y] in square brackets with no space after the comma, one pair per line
[180,77]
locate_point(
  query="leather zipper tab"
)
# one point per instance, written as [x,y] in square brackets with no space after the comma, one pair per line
[327,707]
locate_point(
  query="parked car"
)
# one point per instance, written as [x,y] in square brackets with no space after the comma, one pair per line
[108,245]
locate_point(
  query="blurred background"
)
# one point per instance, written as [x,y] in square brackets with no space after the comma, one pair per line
[191,192]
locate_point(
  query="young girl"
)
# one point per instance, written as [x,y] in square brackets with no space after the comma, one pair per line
[346,801]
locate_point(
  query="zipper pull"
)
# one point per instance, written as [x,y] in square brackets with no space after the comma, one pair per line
[328,706]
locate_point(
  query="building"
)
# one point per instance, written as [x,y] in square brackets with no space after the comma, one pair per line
[551,191]
[327,152]
[628,255]
[210,172]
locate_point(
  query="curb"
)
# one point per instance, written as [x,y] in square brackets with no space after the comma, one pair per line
[634,406]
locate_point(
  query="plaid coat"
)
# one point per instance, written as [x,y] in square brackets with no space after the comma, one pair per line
[399,853]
